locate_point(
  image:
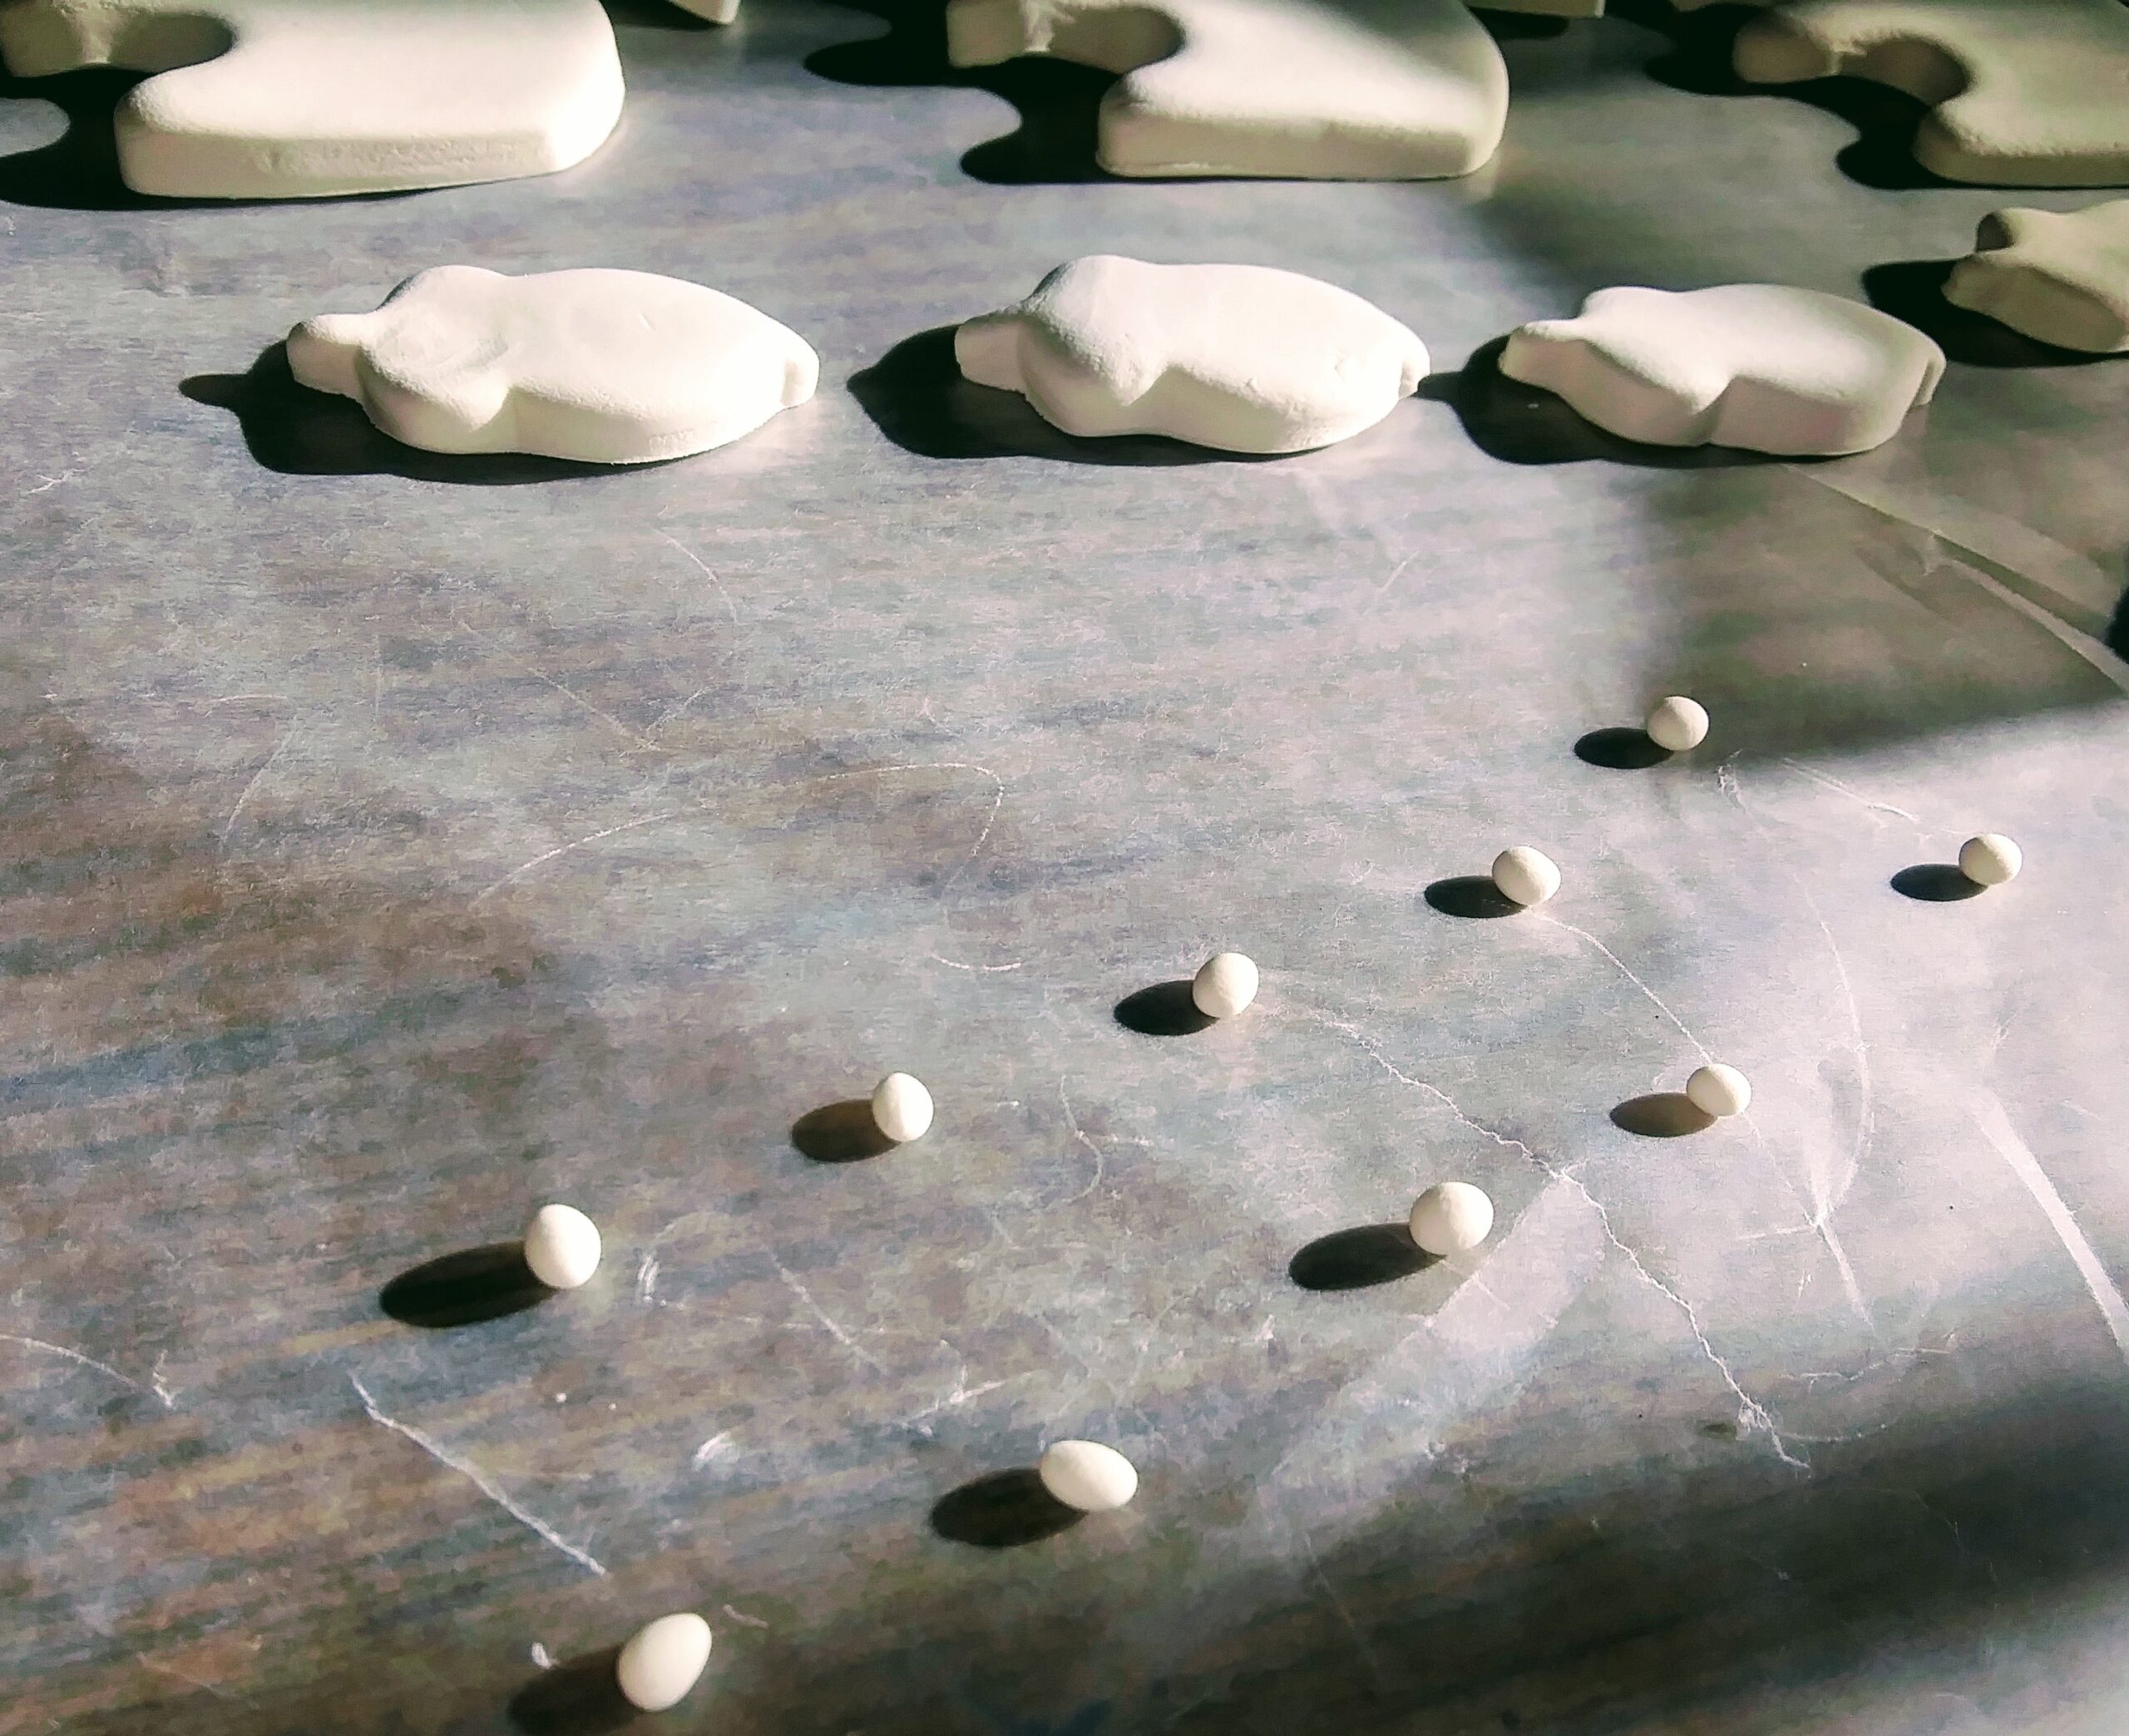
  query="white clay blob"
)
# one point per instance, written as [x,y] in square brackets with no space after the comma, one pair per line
[1760,366]
[1677,724]
[605,367]
[901,1107]
[1088,1475]
[561,1245]
[1225,984]
[1241,358]
[1720,1091]
[1991,859]
[663,1660]
[717,12]
[2062,277]
[1451,1217]
[1524,875]
[1323,90]
[299,99]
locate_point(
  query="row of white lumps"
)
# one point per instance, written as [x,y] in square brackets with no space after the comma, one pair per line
[663,1660]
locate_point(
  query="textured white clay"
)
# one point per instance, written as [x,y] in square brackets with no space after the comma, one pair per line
[1226,983]
[295,99]
[561,1245]
[1321,90]
[1525,875]
[717,12]
[1451,1217]
[1990,860]
[663,1660]
[1717,1090]
[902,1107]
[1242,357]
[1088,1475]
[607,367]
[1762,365]
[2063,277]
[1677,724]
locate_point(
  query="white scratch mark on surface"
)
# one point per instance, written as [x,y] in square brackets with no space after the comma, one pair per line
[525,868]
[258,778]
[170,1670]
[985,970]
[1839,788]
[744,1619]
[48,482]
[822,1314]
[1338,1603]
[704,568]
[990,819]
[1101,1162]
[1619,963]
[541,1657]
[646,1278]
[569,693]
[1996,1127]
[86,1361]
[163,1389]
[480,1480]
[717,1445]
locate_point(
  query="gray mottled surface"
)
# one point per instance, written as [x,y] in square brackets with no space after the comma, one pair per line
[390,843]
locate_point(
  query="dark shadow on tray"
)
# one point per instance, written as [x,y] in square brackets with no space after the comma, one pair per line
[1521,26]
[1620,749]
[462,1289]
[1936,883]
[1661,1115]
[843,1133]
[1356,1259]
[580,1697]
[1474,896]
[2117,636]
[1914,290]
[79,169]
[1165,1010]
[1002,1510]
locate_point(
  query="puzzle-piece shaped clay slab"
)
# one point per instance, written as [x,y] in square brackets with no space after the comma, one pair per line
[606,367]
[1240,357]
[2025,93]
[2063,279]
[1761,366]
[1320,90]
[293,99]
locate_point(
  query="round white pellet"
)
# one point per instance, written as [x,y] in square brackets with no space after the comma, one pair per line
[1717,1090]
[1990,860]
[1088,1475]
[561,1245]
[1677,723]
[1452,1216]
[1526,875]
[902,1107]
[1226,983]
[663,1660]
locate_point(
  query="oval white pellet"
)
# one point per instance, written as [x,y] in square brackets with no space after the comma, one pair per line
[1677,724]
[1528,876]
[1717,1090]
[1088,1475]
[1452,1216]
[902,1107]
[663,1660]
[1990,860]
[1226,983]
[561,1245]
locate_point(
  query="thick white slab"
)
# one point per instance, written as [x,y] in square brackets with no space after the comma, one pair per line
[292,99]
[1320,90]
[608,367]
[1755,364]
[2063,277]
[1242,357]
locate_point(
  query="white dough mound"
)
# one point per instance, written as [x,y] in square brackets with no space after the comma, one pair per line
[607,367]
[1241,358]
[2061,278]
[293,99]
[1320,90]
[1761,365]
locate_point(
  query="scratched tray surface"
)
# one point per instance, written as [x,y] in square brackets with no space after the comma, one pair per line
[393,843]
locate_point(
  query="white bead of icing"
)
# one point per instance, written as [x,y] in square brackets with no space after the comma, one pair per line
[663,1660]
[1718,1090]
[1451,1217]
[561,1245]
[1990,860]
[1226,983]
[1088,1475]
[901,1107]
[1677,724]
[1525,875]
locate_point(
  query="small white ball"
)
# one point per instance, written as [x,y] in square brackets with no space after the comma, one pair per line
[1990,860]
[1528,876]
[1717,1090]
[1677,723]
[902,1107]
[1451,1217]
[1088,1475]
[663,1660]
[561,1245]
[1226,983]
